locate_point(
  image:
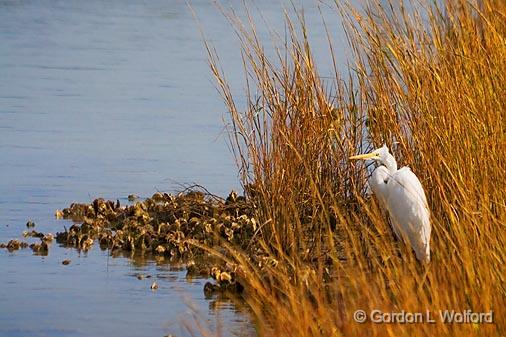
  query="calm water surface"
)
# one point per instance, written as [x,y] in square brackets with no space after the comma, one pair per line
[104,99]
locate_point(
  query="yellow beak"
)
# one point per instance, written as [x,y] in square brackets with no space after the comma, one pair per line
[364,156]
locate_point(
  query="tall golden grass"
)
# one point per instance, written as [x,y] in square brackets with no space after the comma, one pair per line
[431,79]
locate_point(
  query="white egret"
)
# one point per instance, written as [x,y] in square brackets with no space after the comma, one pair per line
[402,194]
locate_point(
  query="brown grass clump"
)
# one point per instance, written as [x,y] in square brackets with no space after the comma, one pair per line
[432,79]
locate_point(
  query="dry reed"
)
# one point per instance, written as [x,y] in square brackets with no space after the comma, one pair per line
[430,78]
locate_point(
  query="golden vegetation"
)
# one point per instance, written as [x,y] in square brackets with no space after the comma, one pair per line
[432,80]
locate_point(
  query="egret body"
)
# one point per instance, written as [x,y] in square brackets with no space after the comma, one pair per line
[402,195]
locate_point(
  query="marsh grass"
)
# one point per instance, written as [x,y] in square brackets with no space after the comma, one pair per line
[430,79]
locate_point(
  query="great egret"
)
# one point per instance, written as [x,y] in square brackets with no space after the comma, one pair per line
[401,193]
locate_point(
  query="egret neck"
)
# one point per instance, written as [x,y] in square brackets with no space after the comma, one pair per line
[390,163]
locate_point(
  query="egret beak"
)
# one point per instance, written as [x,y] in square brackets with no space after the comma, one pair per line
[371,155]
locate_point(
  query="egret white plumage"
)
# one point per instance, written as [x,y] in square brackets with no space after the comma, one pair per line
[402,195]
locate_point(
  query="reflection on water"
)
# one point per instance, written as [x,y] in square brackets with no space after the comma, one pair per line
[104,99]
[99,295]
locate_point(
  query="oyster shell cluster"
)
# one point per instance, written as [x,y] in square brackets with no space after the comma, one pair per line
[178,228]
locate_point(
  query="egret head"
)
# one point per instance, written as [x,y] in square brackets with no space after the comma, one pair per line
[380,155]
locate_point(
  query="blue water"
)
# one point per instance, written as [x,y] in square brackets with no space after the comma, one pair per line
[104,99]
